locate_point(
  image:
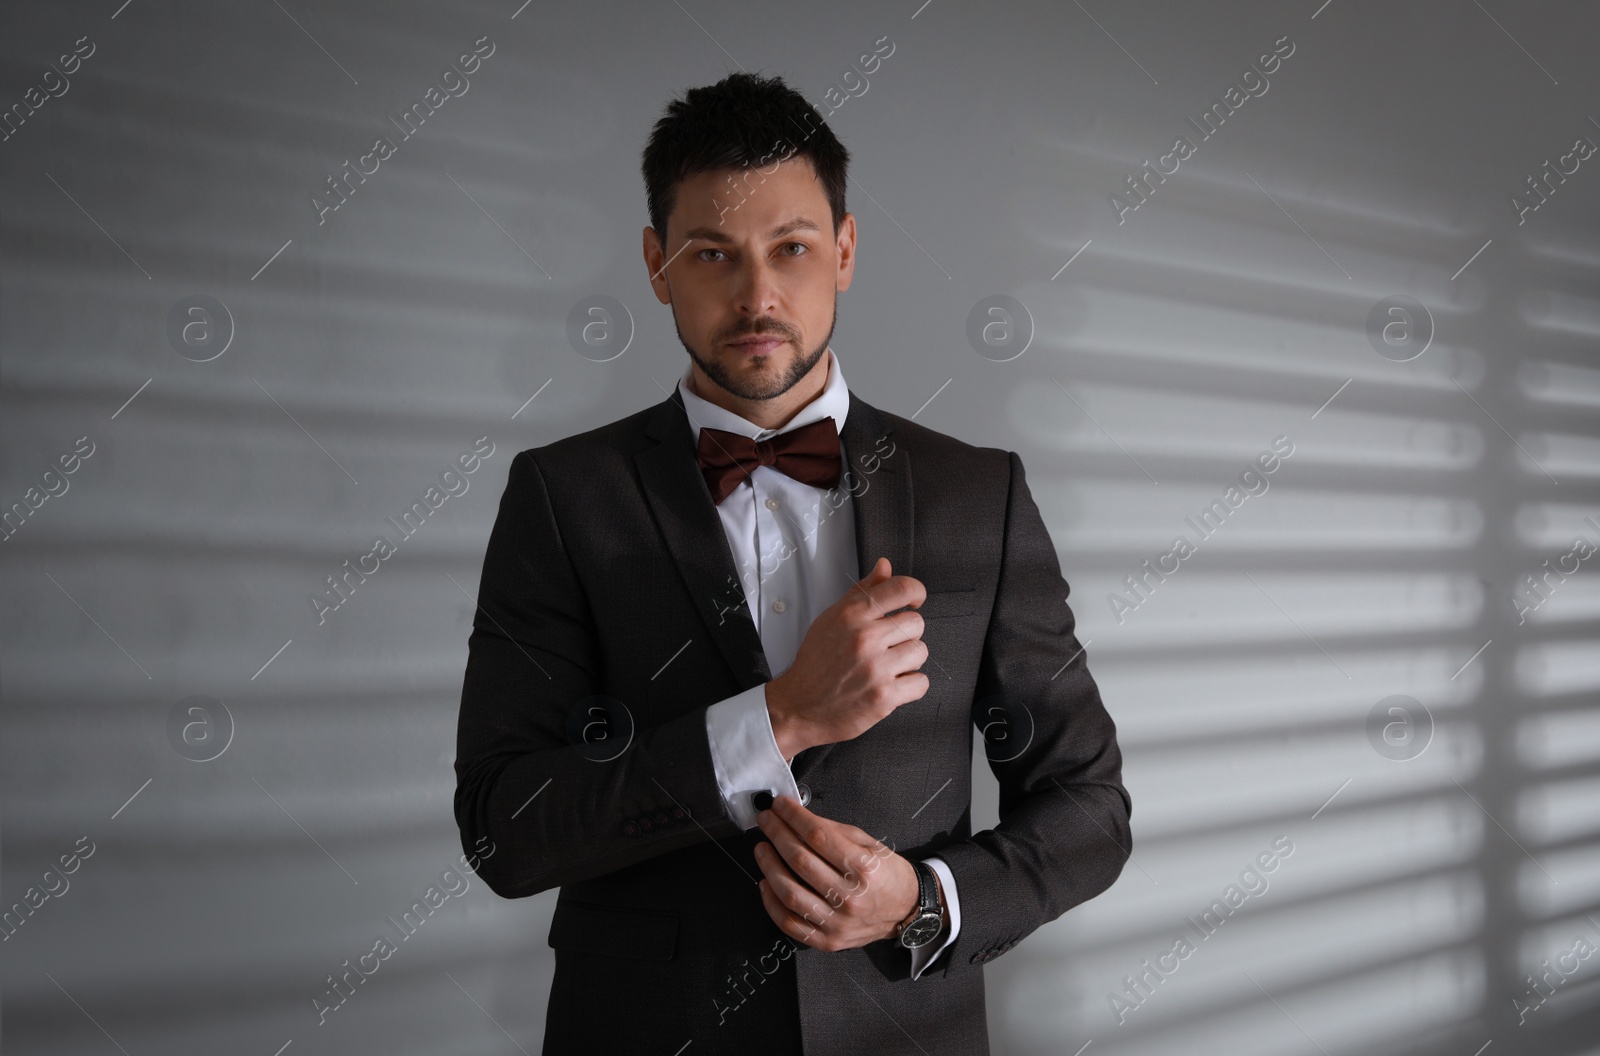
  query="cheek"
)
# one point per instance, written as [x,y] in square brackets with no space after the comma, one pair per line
[697,312]
[816,301]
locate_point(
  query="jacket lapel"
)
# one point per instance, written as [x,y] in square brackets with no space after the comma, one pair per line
[878,477]
[695,538]
[880,484]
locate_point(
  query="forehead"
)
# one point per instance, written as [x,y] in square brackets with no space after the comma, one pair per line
[750,202]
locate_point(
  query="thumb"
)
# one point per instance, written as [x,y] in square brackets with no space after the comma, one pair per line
[881,570]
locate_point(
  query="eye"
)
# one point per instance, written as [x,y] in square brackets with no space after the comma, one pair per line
[802,245]
[703,252]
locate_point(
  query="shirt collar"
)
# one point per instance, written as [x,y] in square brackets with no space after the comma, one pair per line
[832,402]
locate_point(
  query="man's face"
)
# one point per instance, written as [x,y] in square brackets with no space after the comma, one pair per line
[752,270]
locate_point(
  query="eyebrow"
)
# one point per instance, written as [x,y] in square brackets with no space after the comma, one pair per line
[712,234]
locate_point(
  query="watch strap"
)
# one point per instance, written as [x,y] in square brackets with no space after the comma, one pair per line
[928,901]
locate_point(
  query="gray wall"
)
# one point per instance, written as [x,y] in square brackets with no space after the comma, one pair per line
[1234,305]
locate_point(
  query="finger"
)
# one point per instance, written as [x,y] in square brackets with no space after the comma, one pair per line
[793,891]
[904,645]
[832,841]
[880,590]
[857,858]
[776,868]
[778,912]
[800,899]
[815,847]
[793,924]
[810,863]
[860,593]
[857,855]
[845,839]
[896,592]
[898,628]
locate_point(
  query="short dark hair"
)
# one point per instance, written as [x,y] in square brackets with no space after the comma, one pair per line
[742,121]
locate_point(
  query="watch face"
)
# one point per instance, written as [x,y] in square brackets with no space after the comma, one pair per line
[921,931]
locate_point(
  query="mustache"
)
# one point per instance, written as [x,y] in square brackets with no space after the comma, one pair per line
[772,329]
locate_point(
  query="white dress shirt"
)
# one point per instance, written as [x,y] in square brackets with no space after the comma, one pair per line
[796,556]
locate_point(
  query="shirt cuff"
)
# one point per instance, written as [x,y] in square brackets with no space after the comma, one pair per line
[922,956]
[745,755]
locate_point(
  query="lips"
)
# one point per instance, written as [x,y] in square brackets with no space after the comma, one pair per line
[757,346]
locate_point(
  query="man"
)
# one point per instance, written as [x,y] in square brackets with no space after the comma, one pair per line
[729,651]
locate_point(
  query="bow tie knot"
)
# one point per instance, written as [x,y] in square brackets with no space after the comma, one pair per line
[809,454]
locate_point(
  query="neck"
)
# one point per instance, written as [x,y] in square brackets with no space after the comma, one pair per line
[768,414]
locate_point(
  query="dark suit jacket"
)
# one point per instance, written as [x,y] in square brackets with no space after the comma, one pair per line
[609,614]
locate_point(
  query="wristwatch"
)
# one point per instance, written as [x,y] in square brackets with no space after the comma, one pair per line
[926,919]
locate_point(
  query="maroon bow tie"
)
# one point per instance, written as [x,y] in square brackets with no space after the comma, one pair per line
[809,454]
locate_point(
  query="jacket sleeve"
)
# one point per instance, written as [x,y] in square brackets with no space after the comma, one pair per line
[553,773]
[1063,835]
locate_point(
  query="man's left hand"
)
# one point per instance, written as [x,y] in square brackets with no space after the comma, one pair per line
[830,885]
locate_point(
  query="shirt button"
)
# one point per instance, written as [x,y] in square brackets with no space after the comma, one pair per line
[778,606]
[772,504]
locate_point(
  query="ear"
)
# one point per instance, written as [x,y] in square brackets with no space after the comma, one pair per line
[845,249]
[655,258]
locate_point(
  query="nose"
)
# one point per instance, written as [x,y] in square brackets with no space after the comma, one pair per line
[758,290]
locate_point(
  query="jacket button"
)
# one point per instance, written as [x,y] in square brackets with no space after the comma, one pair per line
[805,793]
[630,828]
[663,818]
[645,824]
[678,813]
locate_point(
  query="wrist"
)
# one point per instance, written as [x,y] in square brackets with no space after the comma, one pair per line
[912,907]
[921,870]
[784,733]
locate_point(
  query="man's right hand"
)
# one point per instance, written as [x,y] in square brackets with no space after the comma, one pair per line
[856,665]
